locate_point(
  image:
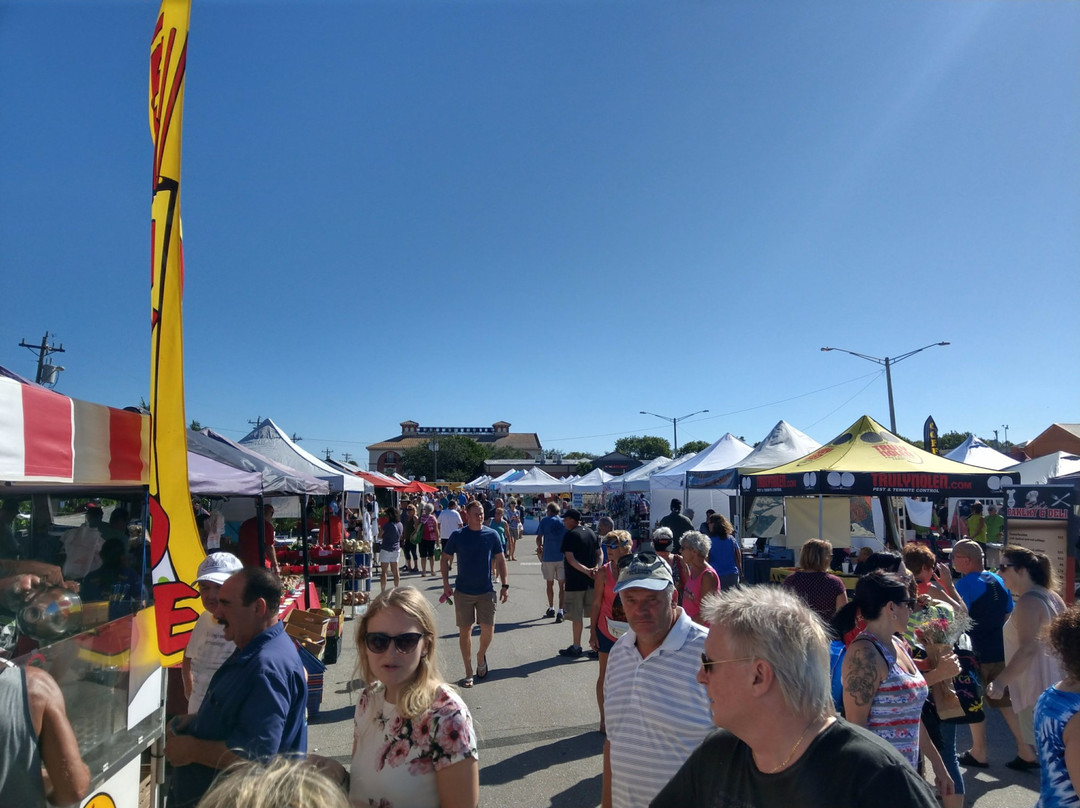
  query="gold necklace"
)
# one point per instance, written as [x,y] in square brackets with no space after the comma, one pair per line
[790,754]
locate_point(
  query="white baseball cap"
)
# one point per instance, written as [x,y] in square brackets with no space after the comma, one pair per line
[217,568]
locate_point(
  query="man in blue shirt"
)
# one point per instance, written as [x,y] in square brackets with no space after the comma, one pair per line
[549,538]
[255,705]
[989,605]
[478,550]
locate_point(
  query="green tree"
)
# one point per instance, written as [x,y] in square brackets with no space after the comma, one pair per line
[195,426]
[580,456]
[460,459]
[693,446]
[644,447]
[583,468]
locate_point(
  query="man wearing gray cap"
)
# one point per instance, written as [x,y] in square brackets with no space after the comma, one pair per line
[659,655]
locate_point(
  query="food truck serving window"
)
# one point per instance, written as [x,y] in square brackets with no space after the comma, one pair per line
[74,598]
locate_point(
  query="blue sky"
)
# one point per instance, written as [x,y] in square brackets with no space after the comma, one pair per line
[559,213]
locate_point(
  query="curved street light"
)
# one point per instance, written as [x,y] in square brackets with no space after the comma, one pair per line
[888,362]
[674,426]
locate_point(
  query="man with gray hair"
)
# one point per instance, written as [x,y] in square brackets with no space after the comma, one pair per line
[655,713]
[766,669]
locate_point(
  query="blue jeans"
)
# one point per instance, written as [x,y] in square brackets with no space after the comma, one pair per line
[947,748]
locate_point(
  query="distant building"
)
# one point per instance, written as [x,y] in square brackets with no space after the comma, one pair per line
[615,463]
[387,456]
[1056,438]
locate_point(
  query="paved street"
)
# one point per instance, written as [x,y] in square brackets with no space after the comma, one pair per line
[536,712]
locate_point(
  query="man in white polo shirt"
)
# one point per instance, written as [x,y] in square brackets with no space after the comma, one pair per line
[650,731]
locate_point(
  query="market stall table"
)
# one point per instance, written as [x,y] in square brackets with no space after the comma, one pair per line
[778,574]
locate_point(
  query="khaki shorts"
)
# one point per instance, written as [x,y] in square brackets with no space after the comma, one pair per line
[577,604]
[470,609]
[988,671]
[553,570]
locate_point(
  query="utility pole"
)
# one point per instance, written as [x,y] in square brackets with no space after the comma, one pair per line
[1006,428]
[347,456]
[327,450]
[46,372]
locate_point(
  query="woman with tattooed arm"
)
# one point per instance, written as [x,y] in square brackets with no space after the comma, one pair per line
[883,690]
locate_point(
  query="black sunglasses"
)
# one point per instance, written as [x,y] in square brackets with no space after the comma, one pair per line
[377,642]
[1004,566]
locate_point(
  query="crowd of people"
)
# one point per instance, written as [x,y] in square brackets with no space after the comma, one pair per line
[743,695]
[755,719]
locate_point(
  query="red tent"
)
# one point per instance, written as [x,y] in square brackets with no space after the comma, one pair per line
[417,487]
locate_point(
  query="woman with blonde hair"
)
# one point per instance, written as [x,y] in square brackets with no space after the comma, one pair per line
[607,619]
[823,592]
[280,783]
[413,742]
[1029,668]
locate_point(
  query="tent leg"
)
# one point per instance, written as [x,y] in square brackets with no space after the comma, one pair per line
[892,541]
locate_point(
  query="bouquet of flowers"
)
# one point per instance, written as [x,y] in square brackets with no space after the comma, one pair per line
[942,630]
[938,634]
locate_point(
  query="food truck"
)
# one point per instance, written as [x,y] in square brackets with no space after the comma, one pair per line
[73,502]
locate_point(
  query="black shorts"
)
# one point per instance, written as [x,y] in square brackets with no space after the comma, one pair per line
[427,549]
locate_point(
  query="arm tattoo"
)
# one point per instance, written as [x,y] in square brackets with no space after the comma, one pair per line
[863,676]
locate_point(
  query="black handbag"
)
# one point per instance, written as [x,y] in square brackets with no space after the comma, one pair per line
[969,689]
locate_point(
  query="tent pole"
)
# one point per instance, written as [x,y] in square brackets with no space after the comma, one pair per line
[260,528]
[821,517]
[304,544]
[892,541]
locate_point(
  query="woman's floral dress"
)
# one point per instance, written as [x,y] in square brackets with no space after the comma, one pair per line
[396,758]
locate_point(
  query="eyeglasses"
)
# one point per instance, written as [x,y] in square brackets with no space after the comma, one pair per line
[377,642]
[706,662]
[1003,566]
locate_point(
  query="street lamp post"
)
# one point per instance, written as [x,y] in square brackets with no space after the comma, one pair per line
[888,362]
[434,447]
[674,426]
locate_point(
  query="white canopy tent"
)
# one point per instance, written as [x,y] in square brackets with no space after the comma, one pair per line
[670,482]
[782,445]
[976,452]
[1041,470]
[268,440]
[637,480]
[536,481]
[479,483]
[495,483]
[591,483]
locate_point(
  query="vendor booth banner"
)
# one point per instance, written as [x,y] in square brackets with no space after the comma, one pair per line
[712,479]
[867,459]
[174,539]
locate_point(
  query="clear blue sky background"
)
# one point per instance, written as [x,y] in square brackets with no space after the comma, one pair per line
[559,213]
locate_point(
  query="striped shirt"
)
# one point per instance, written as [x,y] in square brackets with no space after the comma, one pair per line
[897,706]
[652,731]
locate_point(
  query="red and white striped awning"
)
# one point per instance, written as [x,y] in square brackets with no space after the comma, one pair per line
[46,437]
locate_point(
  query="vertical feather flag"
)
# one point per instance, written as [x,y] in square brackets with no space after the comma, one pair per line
[174,538]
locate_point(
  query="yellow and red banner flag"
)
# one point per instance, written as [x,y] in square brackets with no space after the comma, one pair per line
[174,538]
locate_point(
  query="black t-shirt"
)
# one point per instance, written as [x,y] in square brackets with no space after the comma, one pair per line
[582,542]
[845,767]
[678,524]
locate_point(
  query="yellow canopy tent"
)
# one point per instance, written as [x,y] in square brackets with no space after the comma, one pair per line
[868,460]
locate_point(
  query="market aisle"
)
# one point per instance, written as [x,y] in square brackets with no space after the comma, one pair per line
[536,712]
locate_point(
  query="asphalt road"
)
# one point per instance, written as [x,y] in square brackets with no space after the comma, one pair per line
[536,713]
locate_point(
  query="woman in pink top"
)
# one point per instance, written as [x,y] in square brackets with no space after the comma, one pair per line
[703,579]
[608,619]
